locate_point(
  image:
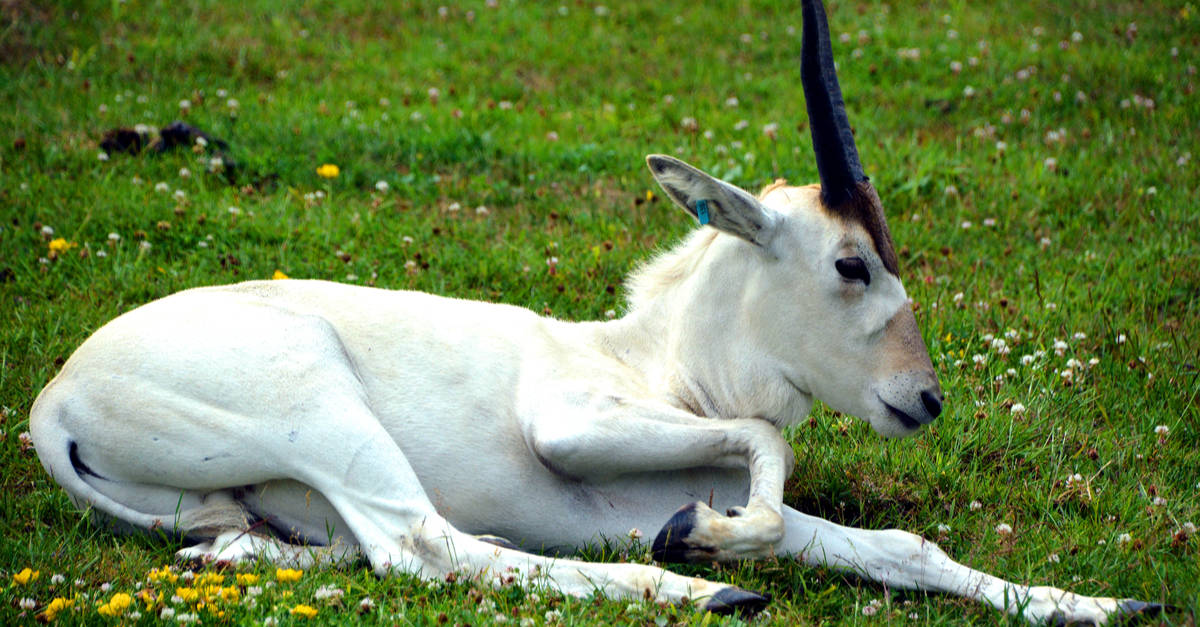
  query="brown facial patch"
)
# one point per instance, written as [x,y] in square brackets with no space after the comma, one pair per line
[865,208]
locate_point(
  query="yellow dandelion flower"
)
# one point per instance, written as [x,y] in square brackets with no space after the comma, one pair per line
[288,575]
[277,276]
[328,171]
[25,576]
[60,245]
[229,594]
[147,596]
[247,579]
[189,595]
[116,606]
[162,574]
[57,605]
[306,611]
[209,579]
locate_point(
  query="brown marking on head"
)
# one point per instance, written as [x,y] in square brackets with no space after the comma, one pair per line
[903,347]
[865,208]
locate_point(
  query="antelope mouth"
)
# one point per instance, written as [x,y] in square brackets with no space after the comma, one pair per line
[908,421]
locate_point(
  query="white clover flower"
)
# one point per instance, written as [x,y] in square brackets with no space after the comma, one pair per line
[943,528]
[482,210]
[1189,528]
[406,240]
[553,616]
[689,124]
[1053,558]
[366,604]
[979,359]
[27,603]
[869,610]
[1017,409]
[610,314]
[381,186]
[1121,338]
[1060,347]
[1051,164]
[1124,538]
[185,104]
[741,125]
[975,506]
[731,101]
[1074,363]
[1004,529]
[166,613]
[453,207]
[1162,429]
[1001,146]
[968,92]
[180,195]
[1080,336]
[328,592]
[1159,501]
[57,579]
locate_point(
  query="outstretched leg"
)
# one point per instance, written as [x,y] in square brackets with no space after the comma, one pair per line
[903,560]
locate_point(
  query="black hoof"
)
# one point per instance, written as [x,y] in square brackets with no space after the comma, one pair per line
[503,543]
[669,545]
[1130,611]
[737,601]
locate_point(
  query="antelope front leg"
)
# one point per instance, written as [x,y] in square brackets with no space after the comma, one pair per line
[634,437]
[903,560]
[698,533]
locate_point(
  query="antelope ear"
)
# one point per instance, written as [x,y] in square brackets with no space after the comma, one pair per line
[714,202]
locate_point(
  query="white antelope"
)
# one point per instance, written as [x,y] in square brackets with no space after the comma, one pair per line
[263,418]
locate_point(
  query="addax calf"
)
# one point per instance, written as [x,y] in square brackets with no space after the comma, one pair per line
[266,417]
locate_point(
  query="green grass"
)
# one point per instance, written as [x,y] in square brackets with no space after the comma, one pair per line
[1102,246]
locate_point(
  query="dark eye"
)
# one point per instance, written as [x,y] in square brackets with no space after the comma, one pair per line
[853,269]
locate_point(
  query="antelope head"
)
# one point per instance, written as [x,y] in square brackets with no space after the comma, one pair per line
[810,279]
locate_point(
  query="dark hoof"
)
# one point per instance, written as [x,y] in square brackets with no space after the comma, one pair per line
[503,543]
[669,546]
[737,601]
[1130,611]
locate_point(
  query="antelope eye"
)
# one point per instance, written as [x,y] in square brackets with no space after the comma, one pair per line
[853,269]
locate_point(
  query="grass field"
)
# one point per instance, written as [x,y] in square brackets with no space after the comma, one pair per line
[1036,163]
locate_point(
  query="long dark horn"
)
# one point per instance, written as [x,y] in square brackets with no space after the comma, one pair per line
[833,142]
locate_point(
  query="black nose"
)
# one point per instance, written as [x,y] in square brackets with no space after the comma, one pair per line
[932,402]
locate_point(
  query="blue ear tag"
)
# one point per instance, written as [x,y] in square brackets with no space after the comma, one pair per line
[702,210]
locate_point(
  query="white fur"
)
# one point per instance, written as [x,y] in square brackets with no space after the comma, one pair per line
[398,424]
